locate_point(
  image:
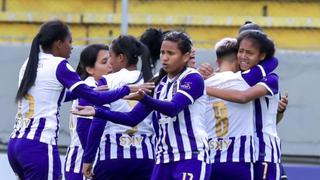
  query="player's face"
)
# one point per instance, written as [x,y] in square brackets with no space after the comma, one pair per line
[101,66]
[192,61]
[116,61]
[66,47]
[249,54]
[172,59]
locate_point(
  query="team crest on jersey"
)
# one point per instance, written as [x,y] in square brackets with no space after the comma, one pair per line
[186,85]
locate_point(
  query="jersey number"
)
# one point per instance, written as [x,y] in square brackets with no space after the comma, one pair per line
[221,116]
[26,120]
[135,128]
[187,176]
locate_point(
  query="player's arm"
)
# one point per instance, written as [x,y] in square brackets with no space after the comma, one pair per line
[67,77]
[191,88]
[256,73]
[283,103]
[236,95]
[268,85]
[131,118]
[92,142]
[83,124]
[206,70]
[70,96]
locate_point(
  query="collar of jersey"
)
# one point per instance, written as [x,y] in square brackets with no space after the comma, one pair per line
[176,77]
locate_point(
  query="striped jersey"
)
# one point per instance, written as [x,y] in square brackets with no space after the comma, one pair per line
[267,142]
[183,136]
[73,161]
[120,141]
[230,125]
[38,112]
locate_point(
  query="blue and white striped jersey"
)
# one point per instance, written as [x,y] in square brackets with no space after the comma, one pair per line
[38,112]
[267,142]
[230,125]
[120,141]
[183,136]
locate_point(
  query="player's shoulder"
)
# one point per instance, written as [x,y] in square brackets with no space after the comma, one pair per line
[190,72]
[121,78]
[221,77]
[90,81]
[117,75]
[50,59]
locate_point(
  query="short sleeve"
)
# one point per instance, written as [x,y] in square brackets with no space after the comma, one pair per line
[192,86]
[270,82]
[67,76]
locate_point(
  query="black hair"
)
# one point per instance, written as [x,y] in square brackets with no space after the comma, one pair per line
[249,25]
[49,33]
[260,39]
[184,44]
[130,47]
[88,58]
[226,47]
[153,38]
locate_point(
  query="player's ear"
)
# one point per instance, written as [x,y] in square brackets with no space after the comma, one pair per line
[90,71]
[262,56]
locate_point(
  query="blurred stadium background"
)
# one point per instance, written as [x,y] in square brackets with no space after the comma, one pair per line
[294,25]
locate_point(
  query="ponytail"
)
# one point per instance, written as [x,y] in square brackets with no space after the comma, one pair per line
[30,73]
[81,70]
[49,33]
[145,63]
[133,49]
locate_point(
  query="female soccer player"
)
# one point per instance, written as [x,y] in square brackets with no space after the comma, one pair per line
[231,124]
[32,149]
[122,147]
[255,46]
[178,105]
[92,65]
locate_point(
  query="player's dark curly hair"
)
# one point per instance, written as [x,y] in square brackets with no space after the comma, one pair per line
[260,39]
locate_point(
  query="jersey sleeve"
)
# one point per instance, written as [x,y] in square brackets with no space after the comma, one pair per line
[70,96]
[192,86]
[256,73]
[270,82]
[70,79]
[67,76]
[83,124]
[131,118]
[95,133]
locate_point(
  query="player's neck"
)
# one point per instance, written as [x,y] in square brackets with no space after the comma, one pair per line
[132,68]
[227,67]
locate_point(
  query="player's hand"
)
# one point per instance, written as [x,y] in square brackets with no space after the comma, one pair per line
[83,111]
[146,87]
[87,170]
[283,103]
[206,70]
[101,88]
[135,96]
